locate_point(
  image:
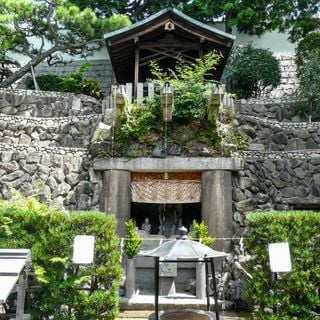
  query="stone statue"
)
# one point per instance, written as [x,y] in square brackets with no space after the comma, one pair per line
[146,226]
[168,219]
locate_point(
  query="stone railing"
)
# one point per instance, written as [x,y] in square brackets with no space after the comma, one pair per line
[73,131]
[29,103]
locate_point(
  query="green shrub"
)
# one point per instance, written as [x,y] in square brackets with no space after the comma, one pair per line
[191,90]
[26,223]
[295,294]
[201,233]
[254,71]
[74,83]
[309,43]
[133,240]
[91,88]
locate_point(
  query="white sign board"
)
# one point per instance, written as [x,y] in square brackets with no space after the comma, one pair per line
[83,250]
[279,257]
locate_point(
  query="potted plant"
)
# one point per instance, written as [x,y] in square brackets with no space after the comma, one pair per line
[132,245]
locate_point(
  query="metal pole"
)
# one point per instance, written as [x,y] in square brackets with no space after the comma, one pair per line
[156,287]
[215,290]
[207,284]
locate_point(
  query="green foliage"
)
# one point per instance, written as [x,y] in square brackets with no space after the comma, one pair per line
[46,82]
[138,122]
[133,240]
[309,86]
[257,17]
[201,233]
[255,71]
[59,27]
[74,83]
[249,16]
[305,47]
[191,89]
[295,294]
[139,130]
[26,223]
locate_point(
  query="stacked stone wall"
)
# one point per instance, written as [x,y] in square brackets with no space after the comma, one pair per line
[289,82]
[46,104]
[73,131]
[282,110]
[270,135]
[282,166]
[61,177]
[44,139]
[276,184]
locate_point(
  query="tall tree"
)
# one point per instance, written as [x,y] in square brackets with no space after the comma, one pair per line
[43,29]
[250,16]
[298,17]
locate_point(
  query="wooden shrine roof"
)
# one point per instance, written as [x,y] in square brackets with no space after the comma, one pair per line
[163,37]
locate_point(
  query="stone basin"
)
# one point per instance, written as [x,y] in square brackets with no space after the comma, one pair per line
[185,315]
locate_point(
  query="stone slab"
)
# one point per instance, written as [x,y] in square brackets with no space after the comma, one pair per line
[169,164]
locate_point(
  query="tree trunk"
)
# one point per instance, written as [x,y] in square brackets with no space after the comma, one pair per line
[26,68]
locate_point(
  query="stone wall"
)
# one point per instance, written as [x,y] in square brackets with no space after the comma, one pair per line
[46,104]
[272,135]
[282,166]
[73,131]
[62,177]
[279,109]
[276,184]
[43,147]
[289,81]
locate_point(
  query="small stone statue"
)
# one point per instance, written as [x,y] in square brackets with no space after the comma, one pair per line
[146,226]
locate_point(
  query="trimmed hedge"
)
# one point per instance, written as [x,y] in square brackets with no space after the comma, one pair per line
[295,295]
[67,291]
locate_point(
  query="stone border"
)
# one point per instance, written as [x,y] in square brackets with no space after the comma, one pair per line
[282,125]
[277,155]
[53,150]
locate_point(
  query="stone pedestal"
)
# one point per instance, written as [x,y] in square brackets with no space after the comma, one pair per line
[167,286]
[131,278]
[200,280]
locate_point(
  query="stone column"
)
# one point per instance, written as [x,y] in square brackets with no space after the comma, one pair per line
[116,197]
[216,206]
[200,280]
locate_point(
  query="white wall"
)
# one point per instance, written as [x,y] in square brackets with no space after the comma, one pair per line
[275,41]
